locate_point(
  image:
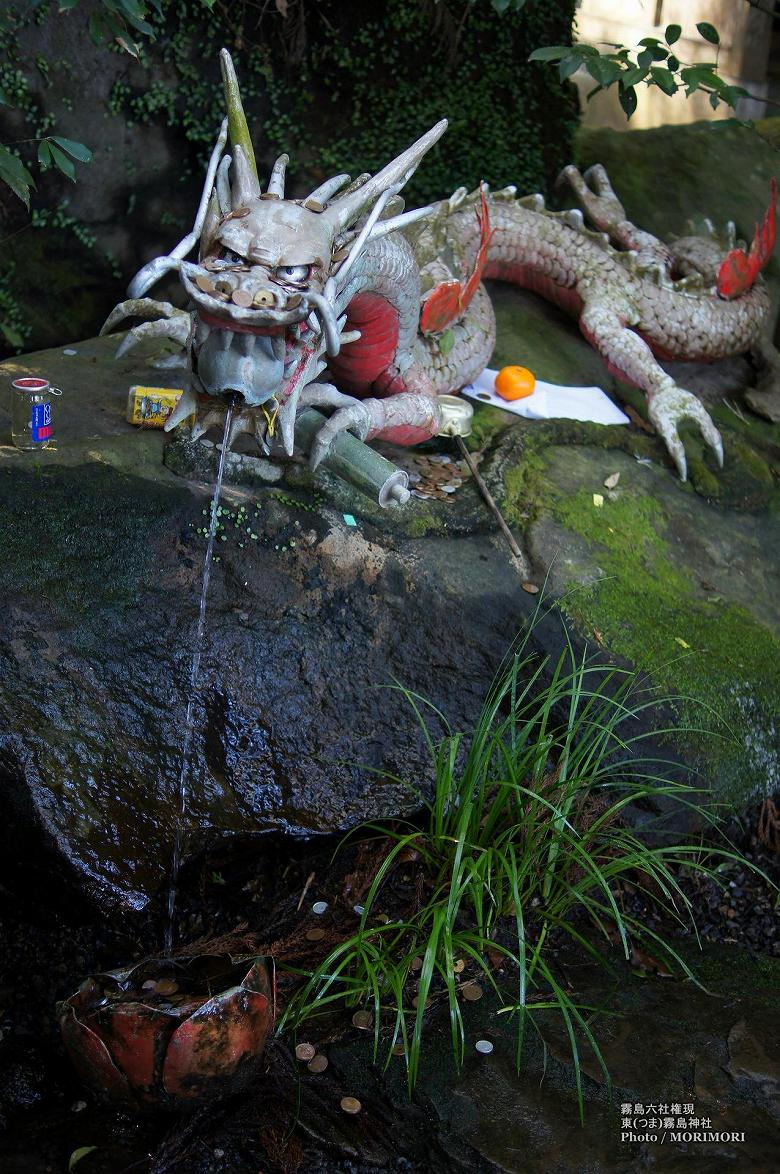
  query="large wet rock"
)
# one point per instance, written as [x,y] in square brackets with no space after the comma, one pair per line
[296,727]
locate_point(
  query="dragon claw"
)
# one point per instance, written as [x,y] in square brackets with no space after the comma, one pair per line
[667,409]
[355,418]
[595,195]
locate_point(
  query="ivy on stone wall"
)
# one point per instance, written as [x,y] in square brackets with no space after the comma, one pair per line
[363,81]
[339,84]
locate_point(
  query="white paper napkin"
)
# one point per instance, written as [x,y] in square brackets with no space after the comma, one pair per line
[550,401]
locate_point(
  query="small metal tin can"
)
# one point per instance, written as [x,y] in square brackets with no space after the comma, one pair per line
[32,425]
[150,407]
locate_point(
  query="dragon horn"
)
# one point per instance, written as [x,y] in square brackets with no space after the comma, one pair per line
[276,182]
[237,124]
[346,209]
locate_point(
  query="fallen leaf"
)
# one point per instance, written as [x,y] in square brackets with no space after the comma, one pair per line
[683,643]
[642,961]
[598,500]
[611,481]
[78,1154]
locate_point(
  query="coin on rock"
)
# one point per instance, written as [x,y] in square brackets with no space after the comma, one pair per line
[305,1052]
[351,1104]
[241,297]
[318,1063]
[204,284]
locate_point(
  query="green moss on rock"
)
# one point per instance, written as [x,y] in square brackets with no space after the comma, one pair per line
[713,657]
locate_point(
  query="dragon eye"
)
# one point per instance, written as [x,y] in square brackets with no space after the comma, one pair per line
[297,274]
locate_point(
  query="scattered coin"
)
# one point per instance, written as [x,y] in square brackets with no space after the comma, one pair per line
[363,1019]
[149,985]
[416,1002]
[305,1052]
[484,1046]
[459,966]
[351,1104]
[318,1063]
[383,919]
[416,964]
[399,1050]
[472,991]
[315,935]
[241,297]
[69,351]
[359,909]
[319,907]
[531,588]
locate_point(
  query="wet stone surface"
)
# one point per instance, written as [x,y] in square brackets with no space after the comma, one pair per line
[308,623]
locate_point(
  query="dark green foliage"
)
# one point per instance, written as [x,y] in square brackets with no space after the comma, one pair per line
[352,84]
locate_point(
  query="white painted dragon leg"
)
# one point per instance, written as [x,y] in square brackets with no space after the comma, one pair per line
[409,417]
[668,405]
[598,200]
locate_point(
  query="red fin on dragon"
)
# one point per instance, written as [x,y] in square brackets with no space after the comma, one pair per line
[345,301]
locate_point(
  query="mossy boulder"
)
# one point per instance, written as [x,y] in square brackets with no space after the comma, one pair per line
[654,575]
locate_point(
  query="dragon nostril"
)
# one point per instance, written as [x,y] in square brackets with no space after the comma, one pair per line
[264,298]
[223,287]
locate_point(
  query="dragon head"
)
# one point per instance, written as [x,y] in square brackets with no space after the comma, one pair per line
[271,271]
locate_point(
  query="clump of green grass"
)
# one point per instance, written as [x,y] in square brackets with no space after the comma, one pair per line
[524,840]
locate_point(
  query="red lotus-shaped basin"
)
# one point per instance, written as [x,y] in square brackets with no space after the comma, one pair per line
[174,1033]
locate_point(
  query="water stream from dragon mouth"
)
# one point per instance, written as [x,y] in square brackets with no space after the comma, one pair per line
[194,678]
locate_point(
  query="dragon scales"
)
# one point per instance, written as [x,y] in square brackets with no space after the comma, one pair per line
[344,301]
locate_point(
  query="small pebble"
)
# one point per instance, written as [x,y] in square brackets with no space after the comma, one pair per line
[351,1104]
[319,907]
[484,1046]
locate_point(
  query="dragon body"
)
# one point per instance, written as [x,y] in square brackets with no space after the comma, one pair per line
[345,301]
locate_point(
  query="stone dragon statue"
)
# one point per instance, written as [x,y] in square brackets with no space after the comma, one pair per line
[344,301]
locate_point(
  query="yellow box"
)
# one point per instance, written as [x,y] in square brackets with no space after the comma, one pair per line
[150,407]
